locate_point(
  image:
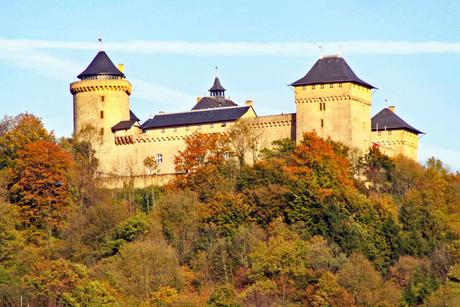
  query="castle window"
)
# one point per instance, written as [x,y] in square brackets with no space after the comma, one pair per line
[322,85]
[389,132]
[312,87]
[102,114]
[102,98]
[223,125]
[159,158]
[340,84]
[331,85]
[322,123]
[102,131]
[322,106]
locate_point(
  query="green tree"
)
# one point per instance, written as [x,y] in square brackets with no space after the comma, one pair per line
[141,268]
[87,294]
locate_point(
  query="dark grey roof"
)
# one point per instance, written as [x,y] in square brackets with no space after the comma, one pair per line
[331,69]
[213,102]
[126,124]
[101,65]
[388,120]
[216,86]
[133,116]
[195,117]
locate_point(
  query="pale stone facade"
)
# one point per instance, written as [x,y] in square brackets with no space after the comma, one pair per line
[337,107]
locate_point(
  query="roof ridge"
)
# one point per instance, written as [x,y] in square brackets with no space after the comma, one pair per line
[201,110]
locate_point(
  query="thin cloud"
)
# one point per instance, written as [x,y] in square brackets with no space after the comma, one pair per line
[288,49]
[46,64]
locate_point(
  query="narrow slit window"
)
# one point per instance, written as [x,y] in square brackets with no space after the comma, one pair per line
[102,114]
[322,123]
[102,98]
[102,131]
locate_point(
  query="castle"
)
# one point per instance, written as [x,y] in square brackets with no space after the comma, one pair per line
[330,99]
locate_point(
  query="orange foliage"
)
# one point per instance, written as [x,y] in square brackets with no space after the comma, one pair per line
[321,161]
[40,186]
[201,150]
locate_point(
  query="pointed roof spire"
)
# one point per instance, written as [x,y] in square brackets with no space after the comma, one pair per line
[217,89]
[330,69]
[101,65]
[217,86]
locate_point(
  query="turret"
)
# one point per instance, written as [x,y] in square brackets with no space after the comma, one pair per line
[101,97]
[331,100]
[217,90]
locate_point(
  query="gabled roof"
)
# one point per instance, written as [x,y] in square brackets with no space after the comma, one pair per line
[126,124]
[213,102]
[388,120]
[195,117]
[330,69]
[216,86]
[101,65]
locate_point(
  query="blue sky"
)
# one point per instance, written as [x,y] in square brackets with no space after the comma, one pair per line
[410,50]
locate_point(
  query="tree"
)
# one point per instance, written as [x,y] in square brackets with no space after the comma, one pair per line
[41,184]
[16,132]
[142,268]
[360,278]
[245,140]
[89,293]
[179,215]
[50,280]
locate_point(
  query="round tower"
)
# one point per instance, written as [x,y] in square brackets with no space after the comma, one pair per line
[101,97]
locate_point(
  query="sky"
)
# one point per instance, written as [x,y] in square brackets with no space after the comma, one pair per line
[409,50]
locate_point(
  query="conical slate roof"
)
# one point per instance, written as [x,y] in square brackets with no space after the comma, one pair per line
[388,120]
[216,86]
[330,69]
[101,65]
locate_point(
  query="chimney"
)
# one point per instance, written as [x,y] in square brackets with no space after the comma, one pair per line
[392,108]
[248,103]
[121,67]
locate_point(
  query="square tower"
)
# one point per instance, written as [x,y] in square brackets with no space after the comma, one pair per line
[332,101]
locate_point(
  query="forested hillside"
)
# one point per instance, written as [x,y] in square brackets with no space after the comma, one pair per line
[309,225]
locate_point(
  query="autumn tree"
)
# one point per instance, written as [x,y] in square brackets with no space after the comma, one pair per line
[40,186]
[16,132]
[202,165]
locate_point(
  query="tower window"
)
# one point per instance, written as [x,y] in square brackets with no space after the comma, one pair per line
[322,85]
[340,84]
[312,87]
[102,114]
[331,85]
[159,158]
[102,98]
[322,123]
[102,131]
[322,106]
